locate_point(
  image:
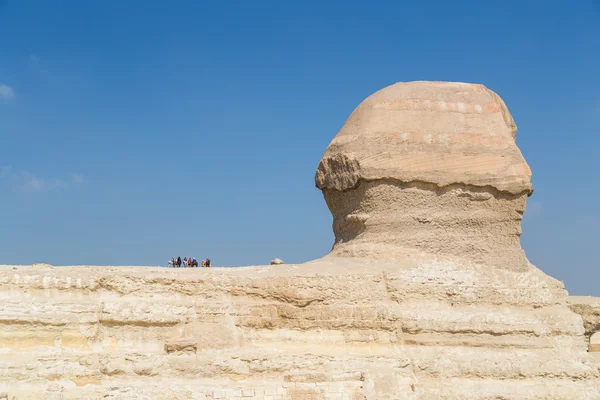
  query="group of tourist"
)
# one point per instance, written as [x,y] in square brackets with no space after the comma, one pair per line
[188,262]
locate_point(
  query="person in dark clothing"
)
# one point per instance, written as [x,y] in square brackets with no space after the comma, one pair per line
[178,262]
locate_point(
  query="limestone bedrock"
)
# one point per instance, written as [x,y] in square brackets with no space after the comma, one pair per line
[426,294]
[431,167]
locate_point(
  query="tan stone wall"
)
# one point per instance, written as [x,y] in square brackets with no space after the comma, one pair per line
[325,330]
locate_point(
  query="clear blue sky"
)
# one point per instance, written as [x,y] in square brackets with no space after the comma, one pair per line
[134,131]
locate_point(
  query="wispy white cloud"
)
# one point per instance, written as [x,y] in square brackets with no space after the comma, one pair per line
[28,182]
[534,208]
[37,65]
[591,220]
[32,183]
[6,92]
[77,179]
[5,170]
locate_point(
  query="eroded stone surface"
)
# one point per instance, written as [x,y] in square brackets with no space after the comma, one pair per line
[434,132]
[428,167]
[589,309]
[333,328]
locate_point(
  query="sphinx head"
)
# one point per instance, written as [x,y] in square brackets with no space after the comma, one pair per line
[428,167]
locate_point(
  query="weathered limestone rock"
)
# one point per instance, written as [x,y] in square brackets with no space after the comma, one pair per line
[429,167]
[276,261]
[181,344]
[321,330]
[589,309]
[426,295]
[594,346]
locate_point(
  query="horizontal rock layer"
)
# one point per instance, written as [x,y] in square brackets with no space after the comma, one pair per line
[387,219]
[329,329]
[589,309]
[441,133]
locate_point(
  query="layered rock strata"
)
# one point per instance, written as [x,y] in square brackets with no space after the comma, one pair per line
[431,167]
[426,294]
[589,309]
[323,330]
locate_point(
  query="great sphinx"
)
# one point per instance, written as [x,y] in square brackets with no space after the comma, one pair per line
[425,295]
[431,168]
